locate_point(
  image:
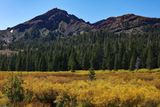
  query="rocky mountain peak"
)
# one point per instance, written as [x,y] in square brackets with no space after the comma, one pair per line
[49,20]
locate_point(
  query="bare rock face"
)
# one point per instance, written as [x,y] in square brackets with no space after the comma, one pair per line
[54,20]
[5,38]
[127,23]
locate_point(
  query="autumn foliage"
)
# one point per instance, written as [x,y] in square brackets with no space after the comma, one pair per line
[110,89]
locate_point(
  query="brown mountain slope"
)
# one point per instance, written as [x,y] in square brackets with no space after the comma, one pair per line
[129,23]
[55,19]
[58,22]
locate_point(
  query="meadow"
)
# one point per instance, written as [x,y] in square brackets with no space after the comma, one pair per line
[120,88]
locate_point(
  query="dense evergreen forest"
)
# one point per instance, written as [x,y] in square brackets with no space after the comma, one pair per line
[97,50]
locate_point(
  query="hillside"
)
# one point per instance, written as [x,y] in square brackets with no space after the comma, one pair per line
[128,23]
[57,41]
[56,22]
[53,23]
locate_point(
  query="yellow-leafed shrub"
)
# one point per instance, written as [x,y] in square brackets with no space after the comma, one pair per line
[109,89]
[3,100]
[98,93]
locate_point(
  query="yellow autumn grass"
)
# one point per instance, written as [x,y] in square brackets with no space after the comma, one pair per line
[120,88]
[99,93]
[3,100]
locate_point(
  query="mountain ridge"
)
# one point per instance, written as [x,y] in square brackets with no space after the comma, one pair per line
[57,22]
[57,10]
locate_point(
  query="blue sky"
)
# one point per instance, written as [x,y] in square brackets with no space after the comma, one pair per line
[13,12]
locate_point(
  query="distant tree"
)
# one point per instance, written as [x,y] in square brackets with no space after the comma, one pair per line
[116,63]
[149,60]
[92,74]
[138,61]
[98,50]
[11,65]
[20,66]
[132,61]
[108,55]
[125,61]
[50,62]
[85,62]
[159,60]
[72,62]
[42,64]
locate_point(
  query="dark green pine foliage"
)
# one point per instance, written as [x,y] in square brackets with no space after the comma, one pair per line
[150,58]
[98,50]
[85,62]
[108,57]
[72,62]
[133,61]
[158,60]
[125,61]
[20,65]
[42,66]
[116,62]
[92,74]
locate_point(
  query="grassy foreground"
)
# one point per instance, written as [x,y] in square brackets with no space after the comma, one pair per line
[65,89]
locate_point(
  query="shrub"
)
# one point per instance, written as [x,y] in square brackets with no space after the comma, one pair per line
[92,74]
[48,97]
[3,100]
[45,93]
[13,89]
[28,95]
[73,71]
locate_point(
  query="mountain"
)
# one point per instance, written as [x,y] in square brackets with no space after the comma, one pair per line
[54,22]
[58,23]
[128,23]
[58,41]
[55,19]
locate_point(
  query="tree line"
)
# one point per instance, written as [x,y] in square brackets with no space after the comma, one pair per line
[97,50]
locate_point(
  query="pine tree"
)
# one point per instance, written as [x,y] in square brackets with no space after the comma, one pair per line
[72,63]
[42,64]
[116,63]
[159,60]
[50,62]
[125,61]
[149,60]
[11,66]
[18,62]
[92,74]
[132,61]
[85,62]
[108,58]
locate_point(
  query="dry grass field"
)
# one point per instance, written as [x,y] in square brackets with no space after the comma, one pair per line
[66,89]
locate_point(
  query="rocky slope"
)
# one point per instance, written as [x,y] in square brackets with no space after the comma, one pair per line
[128,23]
[58,22]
